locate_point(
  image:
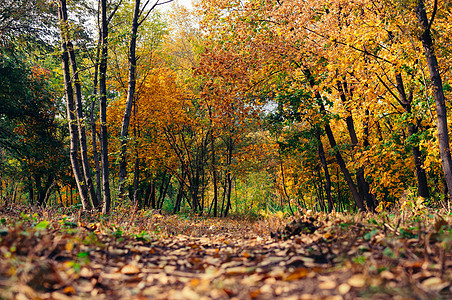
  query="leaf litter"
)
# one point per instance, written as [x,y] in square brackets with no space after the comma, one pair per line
[50,255]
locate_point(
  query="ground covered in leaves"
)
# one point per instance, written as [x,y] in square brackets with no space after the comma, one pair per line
[67,254]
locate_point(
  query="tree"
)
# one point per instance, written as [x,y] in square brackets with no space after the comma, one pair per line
[138,12]
[67,59]
[437,86]
[31,138]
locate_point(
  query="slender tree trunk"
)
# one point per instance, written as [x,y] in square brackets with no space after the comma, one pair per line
[94,127]
[70,107]
[136,180]
[72,197]
[214,175]
[161,189]
[130,99]
[228,179]
[30,191]
[333,144]
[151,201]
[326,171]
[179,198]
[435,77]
[163,194]
[319,190]
[363,186]
[103,109]
[405,100]
[81,127]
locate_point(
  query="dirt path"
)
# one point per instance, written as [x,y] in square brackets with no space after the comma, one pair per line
[340,260]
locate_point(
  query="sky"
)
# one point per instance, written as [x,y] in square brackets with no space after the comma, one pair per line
[186,3]
[167,6]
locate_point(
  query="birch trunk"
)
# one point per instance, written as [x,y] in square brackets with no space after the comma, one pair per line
[70,107]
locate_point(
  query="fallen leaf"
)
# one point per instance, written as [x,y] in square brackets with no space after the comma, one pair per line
[357,280]
[343,288]
[387,275]
[130,270]
[85,272]
[255,293]
[297,274]
[195,282]
[239,270]
[69,290]
[327,285]
[432,282]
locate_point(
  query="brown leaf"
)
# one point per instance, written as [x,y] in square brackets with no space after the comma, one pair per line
[343,288]
[358,280]
[387,275]
[130,270]
[255,293]
[297,274]
[327,285]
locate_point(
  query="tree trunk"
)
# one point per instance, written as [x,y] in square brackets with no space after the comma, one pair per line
[228,179]
[94,127]
[326,171]
[363,186]
[81,127]
[405,101]
[130,99]
[162,194]
[151,201]
[103,109]
[136,180]
[333,144]
[161,189]
[62,16]
[179,198]
[435,77]
[319,190]
[214,175]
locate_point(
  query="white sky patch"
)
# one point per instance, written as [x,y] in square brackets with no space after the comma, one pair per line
[167,6]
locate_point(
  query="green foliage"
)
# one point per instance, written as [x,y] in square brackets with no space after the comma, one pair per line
[42,225]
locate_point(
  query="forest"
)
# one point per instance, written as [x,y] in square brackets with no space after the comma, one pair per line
[248,149]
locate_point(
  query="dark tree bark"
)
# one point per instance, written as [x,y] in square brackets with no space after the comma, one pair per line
[151,202]
[405,101]
[130,99]
[326,171]
[228,187]
[131,87]
[363,186]
[163,192]
[214,175]
[94,127]
[333,144]
[435,77]
[180,195]
[103,109]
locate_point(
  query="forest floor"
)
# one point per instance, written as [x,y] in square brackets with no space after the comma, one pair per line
[59,254]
